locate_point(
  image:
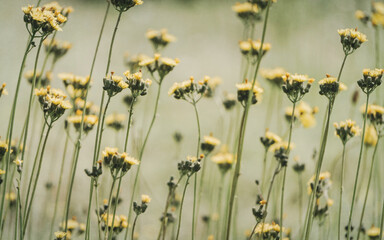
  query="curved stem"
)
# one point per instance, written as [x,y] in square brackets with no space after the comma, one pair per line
[195,183]
[28,207]
[341,193]
[181,207]
[368,186]
[242,131]
[133,227]
[358,168]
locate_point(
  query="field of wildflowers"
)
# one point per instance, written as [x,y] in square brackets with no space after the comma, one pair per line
[171,119]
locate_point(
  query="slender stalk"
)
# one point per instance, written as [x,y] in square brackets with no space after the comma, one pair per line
[129,125]
[341,193]
[181,207]
[142,153]
[358,168]
[59,187]
[377,56]
[382,223]
[300,183]
[109,203]
[219,205]
[110,235]
[133,227]
[29,206]
[242,131]
[285,169]
[10,128]
[195,183]
[368,186]
[264,169]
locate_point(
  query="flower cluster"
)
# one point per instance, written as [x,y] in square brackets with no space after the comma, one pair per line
[247,12]
[376,17]
[371,80]
[304,113]
[72,226]
[119,223]
[75,85]
[115,121]
[269,139]
[52,102]
[133,62]
[373,233]
[223,159]
[57,48]
[3,91]
[209,143]
[329,87]
[44,80]
[60,235]
[190,166]
[159,39]
[323,186]
[375,114]
[213,83]
[229,101]
[346,130]
[114,84]
[254,49]
[351,39]
[268,231]
[118,161]
[139,209]
[189,90]
[159,64]
[136,83]
[243,91]
[124,5]
[88,123]
[296,86]
[43,20]
[274,76]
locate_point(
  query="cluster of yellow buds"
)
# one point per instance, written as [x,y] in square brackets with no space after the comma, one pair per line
[351,39]
[346,130]
[159,64]
[136,83]
[114,84]
[243,91]
[189,90]
[372,78]
[75,85]
[44,80]
[119,223]
[118,161]
[159,39]
[57,48]
[268,231]
[295,86]
[88,123]
[124,5]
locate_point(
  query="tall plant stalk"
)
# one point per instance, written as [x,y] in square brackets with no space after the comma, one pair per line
[341,193]
[181,207]
[242,132]
[195,183]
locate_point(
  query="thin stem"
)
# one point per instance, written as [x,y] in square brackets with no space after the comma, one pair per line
[377,56]
[242,131]
[341,192]
[219,206]
[264,169]
[29,206]
[109,204]
[181,207]
[133,227]
[368,186]
[110,235]
[129,124]
[59,187]
[382,223]
[358,168]
[142,153]
[195,183]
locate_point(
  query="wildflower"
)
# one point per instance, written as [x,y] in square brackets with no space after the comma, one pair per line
[243,90]
[89,108]
[119,223]
[371,136]
[213,83]
[274,76]
[118,161]
[189,90]
[115,121]
[2,172]
[304,113]
[114,84]
[351,39]
[247,12]
[373,233]
[43,20]
[362,16]
[209,143]
[269,139]
[229,101]
[329,87]
[3,91]
[3,149]
[371,80]
[44,80]
[139,209]
[159,39]
[57,48]
[298,167]
[323,184]
[72,225]
[124,5]
[375,114]
[190,166]
[296,86]
[223,159]
[254,48]
[346,130]
[75,85]
[136,83]
[60,235]
[52,102]
[133,62]
[162,65]
[88,123]
[267,231]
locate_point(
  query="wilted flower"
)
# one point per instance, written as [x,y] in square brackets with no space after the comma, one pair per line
[296,86]
[243,90]
[44,80]
[124,5]
[52,102]
[371,80]
[159,39]
[115,121]
[346,130]
[351,39]
[114,84]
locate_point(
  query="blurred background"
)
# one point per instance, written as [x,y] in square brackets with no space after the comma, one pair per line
[304,39]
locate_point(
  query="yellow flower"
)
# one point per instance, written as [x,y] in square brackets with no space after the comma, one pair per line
[145,199]
[371,137]
[2,172]
[373,232]
[353,33]
[272,136]
[211,140]
[60,235]
[18,162]
[281,144]
[130,160]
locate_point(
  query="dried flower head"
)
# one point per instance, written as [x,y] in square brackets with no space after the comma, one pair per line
[346,130]
[351,39]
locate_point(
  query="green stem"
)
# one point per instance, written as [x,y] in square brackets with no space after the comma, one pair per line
[368,186]
[341,192]
[109,204]
[242,131]
[181,207]
[264,169]
[29,206]
[116,203]
[377,56]
[59,187]
[382,223]
[133,227]
[129,124]
[358,169]
[141,154]
[195,184]
[219,206]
